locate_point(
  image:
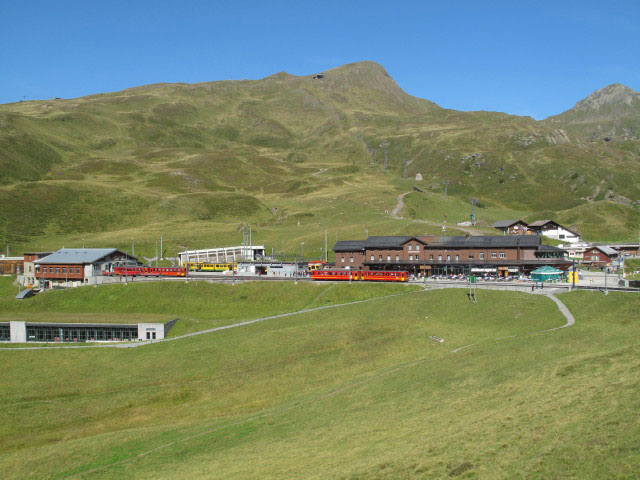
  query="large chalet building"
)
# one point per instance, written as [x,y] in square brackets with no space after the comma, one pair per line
[432,255]
[71,267]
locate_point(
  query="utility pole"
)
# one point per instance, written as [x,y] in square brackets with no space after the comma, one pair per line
[302,243]
[573,275]
[133,248]
[160,248]
[156,254]
[446,184]
[326,251]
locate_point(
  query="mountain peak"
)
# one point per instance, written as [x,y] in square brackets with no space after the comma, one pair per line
[613,94]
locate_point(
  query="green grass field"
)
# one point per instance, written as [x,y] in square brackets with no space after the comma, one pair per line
[354,392]
[199,305]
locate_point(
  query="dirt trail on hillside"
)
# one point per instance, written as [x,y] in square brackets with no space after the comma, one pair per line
[395,214]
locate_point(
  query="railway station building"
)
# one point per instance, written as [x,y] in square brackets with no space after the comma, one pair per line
[72,267]
[223,254]
[430,255]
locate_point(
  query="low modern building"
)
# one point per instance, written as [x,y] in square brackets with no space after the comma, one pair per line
[223,254]
[73,267]
[511,227]
[554,230]
[431,255]
[23,332]
[599,256]
[274,269]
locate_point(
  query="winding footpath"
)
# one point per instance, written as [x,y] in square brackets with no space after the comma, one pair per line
[210,429]
[224,327]
[395,214]
[561,306]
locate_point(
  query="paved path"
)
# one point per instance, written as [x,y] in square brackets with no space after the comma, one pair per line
[561,306]
[216,329]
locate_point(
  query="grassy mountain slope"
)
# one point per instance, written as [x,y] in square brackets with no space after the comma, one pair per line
[612,111]
[195,163]
[357,392]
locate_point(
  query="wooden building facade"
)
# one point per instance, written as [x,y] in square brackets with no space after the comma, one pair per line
[497,255]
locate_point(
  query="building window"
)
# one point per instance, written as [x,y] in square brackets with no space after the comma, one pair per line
[410,247]
[417,247]
[440,257]
[471,256]
[457,257]
[57,269]
[388,258]
[430,257]
[481,255]
[448,258]
[494,255]
[380,257]
[397,258]
[78,270]
[372,258]
[503,255]
[351,260]
[410,257]
[64,269]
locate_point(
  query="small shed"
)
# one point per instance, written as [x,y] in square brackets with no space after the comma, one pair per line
[546,274]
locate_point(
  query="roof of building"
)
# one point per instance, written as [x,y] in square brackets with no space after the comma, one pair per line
[386,242]
[540,223]
[78,255]
[506,223]
[546,270]
[549,248]
[484,241]
[348,245]
[606,250]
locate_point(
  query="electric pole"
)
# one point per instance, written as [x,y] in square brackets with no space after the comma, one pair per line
[446,184]
[326,251]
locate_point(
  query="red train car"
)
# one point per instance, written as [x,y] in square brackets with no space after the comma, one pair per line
[363,275]
[148,272]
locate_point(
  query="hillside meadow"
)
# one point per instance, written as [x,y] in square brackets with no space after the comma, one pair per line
[354,392]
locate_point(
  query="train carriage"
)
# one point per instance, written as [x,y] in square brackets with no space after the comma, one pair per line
[362,275]
[147,272]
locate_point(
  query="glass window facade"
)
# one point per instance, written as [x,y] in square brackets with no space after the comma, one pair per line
[42,333]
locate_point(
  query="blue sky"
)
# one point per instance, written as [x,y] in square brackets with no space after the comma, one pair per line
[536,59]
